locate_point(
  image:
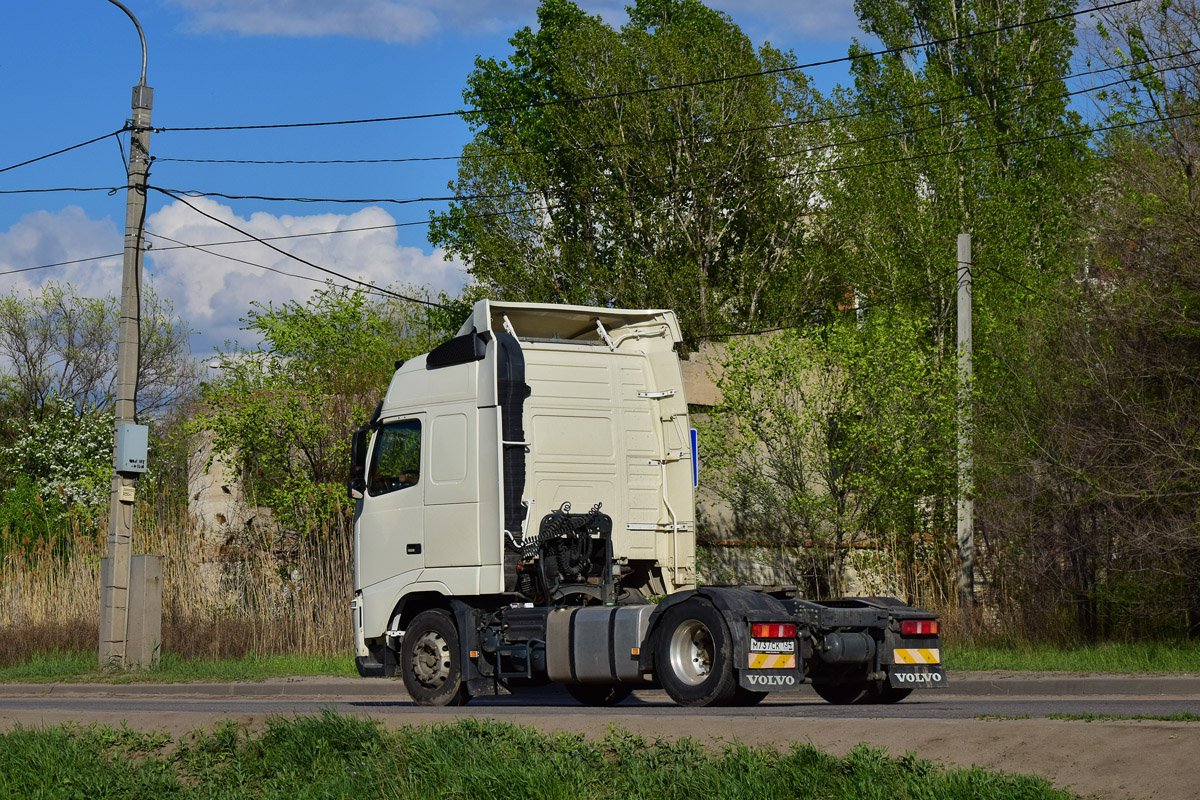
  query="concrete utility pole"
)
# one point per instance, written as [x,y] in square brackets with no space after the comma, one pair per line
[124,606]
[966,505]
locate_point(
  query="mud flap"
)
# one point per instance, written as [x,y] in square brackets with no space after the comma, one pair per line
[779,670]
[916,676]
[770,680]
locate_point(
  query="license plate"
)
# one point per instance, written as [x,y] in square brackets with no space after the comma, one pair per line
[773,645]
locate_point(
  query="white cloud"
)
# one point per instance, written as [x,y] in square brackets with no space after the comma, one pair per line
[209,292]
[410,21]
[213,293]
[43,238]
[402,21]
[781,22]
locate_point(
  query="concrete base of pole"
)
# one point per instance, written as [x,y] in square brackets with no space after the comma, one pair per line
[112,643]
[143,638]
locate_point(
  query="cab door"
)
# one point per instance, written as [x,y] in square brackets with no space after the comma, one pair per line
[389,533]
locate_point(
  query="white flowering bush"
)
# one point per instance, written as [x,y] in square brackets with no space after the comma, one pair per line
[64,457]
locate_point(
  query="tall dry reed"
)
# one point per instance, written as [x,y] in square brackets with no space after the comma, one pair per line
[236,601]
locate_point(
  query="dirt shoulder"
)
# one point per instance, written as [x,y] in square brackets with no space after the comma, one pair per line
[1114,759]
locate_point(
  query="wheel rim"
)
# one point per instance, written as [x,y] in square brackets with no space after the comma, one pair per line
[431,660]
[692,652]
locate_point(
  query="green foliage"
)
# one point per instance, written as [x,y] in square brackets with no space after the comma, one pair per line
[284,411]
[58,467]
[337,756]
[838,437]
[81,667]
[1182,716]
[57,383]
[59,347]
[27,516]
[1107,657]
[67,454]
[683,199]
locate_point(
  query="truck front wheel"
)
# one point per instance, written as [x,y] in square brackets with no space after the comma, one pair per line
[693,655]
[431,662]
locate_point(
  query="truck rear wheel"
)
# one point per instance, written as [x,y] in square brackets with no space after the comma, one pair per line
[869,693]
[884,692]
[844,694]
[693,655]
[431,662]
[747,697]
[599,694]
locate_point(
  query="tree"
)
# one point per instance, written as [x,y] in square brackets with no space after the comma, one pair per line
[837,437]
[57,379]
[58,467]
[650,196]
[969,135]
[961,124]
[58,347]
[284,412]
[1096,509]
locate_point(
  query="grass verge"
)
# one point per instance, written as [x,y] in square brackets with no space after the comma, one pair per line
[1116,657]
[80,666]
[83,667]
[335,756]
[1181,716]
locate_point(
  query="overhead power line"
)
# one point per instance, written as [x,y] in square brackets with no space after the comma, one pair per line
[656,89]
[64,150]
[342,200]
[459,198]
[551,207]
[204,249]
[306,262]
[109,189]
[60,264]
[923,103]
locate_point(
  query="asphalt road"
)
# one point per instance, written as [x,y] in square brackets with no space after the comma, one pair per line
[993,720]
[542,703]
[969,696]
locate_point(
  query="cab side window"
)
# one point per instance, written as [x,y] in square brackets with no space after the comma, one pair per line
[396,458]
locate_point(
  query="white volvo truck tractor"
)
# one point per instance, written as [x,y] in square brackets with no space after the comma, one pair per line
[525,514]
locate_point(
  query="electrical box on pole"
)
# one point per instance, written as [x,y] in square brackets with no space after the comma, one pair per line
[132,445]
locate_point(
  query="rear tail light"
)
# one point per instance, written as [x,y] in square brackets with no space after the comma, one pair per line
[919,627]
[773,630]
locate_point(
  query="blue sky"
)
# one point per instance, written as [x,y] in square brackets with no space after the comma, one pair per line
[68,68]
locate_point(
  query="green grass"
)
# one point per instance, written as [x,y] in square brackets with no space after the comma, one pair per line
[1181,716]
[335,756]
[1001,717]
[1113,657]
[1117,657]
[81,667]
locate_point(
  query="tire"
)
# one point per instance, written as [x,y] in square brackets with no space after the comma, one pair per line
[599,694]
[857,694]
[747,697]
[431,661]
[693,655]
[885,693]
[844,694]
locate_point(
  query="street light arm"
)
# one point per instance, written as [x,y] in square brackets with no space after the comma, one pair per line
[141,35]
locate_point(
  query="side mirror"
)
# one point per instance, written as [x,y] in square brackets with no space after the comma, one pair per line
[358,463]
